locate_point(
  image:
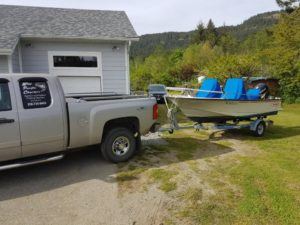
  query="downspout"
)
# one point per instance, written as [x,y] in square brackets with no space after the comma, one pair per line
[127,50]
[10,67]
[20,58]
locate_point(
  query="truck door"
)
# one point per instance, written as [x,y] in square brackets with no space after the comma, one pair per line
[10,143]
[41,116]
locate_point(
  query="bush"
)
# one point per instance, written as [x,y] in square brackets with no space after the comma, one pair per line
[233,66]
[290,89]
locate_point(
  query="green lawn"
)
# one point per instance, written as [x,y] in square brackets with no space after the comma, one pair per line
[267,184]
[234,178]
[271,181]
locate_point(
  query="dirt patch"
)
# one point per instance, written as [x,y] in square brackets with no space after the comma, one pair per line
[192,157]
[153,139]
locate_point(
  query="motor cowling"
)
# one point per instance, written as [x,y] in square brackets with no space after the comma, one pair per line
[264,90]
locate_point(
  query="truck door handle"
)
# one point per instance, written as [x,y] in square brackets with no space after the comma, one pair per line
[4,120]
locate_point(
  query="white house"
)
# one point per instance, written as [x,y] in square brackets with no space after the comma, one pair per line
[87,49]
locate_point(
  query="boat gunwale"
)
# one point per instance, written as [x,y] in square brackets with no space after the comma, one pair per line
[224,100]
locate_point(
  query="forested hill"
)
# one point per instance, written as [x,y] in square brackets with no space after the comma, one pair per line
[170,40]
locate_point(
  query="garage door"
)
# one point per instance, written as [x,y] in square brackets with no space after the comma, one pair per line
[79,72]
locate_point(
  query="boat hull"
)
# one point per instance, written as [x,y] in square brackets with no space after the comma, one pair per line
[221,110]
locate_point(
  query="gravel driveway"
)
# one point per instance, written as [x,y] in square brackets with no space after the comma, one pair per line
[79,189]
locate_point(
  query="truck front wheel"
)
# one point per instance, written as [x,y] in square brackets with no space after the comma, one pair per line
[118,145]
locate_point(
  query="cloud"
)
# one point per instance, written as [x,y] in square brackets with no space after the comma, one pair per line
[169,15]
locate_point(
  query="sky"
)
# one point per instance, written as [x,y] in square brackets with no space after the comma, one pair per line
[156,16]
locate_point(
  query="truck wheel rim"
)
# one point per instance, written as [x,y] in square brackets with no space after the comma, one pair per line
[120,146]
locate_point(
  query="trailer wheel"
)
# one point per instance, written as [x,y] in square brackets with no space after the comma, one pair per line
[119,145]
[260,129]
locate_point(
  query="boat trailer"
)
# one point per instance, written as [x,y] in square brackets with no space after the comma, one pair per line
[257,126]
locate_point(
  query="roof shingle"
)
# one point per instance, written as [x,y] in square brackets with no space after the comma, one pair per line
[18,21]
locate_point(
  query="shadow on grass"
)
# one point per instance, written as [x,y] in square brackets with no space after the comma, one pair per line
[272,133]
[182,149]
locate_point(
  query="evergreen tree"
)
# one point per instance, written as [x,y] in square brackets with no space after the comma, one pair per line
[199,35]
[211,34]
[288,5]
[228,43]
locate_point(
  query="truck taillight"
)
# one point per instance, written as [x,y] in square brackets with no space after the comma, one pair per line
[155,112]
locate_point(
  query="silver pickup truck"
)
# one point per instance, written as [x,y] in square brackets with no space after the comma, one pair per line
[38,123]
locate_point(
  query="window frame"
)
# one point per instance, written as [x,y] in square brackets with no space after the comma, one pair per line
[98,55]
[66,72]
[35,79]
[5,81]
[83,67]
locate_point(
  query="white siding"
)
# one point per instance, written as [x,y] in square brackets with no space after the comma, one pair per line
[3,64]
[35,60]
[15,61]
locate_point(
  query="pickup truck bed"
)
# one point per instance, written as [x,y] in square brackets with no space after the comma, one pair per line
[36,118]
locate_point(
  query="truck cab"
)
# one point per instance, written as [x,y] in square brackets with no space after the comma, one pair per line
[32,119]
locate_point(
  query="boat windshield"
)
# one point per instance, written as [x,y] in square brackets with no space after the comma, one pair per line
[157,88]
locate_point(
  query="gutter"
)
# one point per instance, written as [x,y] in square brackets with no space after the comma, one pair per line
[4,51]
[25,36]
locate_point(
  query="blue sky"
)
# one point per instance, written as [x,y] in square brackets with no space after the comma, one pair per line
[154,16]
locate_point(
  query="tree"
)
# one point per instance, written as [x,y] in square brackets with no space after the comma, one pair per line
[257,42]
[288,5]
[198,56]
[233,66]
[228,44]
[199,35]
[284,56]
[211,34]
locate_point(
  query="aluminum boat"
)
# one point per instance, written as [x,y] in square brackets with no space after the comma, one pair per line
[211,104]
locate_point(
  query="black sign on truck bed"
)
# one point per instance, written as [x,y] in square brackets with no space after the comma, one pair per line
[35,92]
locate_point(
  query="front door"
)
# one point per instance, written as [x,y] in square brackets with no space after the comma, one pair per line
[79,72]
[10,142]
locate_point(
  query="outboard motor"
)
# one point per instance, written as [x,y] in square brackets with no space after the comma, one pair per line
[264,90]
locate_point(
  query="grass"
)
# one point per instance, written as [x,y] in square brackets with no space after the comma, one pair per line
[267,185]
[225,144]
[130,174]
[262,187]
[193,195]
[164,178]
[271,181]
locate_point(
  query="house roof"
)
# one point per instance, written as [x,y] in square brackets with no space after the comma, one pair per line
[23,21]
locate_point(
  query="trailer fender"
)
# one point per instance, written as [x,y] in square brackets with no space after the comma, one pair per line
[254,124]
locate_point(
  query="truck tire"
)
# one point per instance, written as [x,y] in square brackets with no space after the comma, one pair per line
[138,146]
[119,145]
[260,129]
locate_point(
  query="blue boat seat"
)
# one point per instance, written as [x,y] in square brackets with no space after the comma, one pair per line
[234,89]
[208,89]
[253,94]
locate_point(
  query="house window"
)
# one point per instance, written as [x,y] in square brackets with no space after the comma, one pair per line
[5,102]
[75,61]
[35,93]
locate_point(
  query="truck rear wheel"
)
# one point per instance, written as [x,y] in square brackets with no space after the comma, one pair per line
[118,145]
